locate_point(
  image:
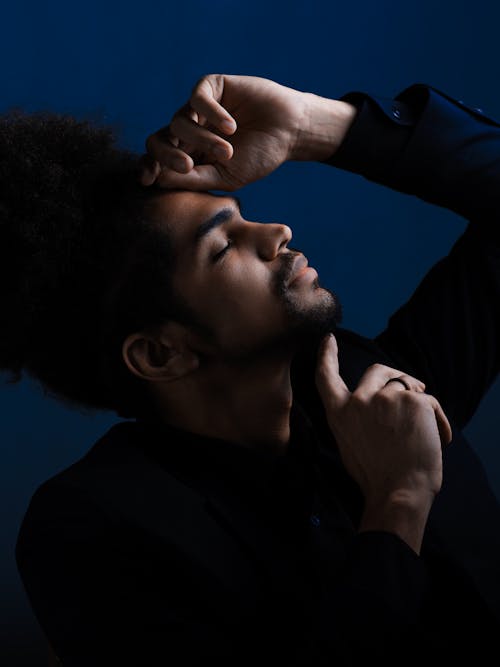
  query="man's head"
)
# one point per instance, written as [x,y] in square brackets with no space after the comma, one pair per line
[247,292]
[104,279]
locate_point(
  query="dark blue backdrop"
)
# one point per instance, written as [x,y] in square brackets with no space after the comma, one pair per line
[134,64]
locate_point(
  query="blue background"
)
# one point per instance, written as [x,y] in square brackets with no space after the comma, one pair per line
[133,64]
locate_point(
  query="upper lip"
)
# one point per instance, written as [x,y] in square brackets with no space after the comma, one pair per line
[299,264]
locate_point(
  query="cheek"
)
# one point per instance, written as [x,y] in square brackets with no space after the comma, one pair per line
[236,300]
[243,304]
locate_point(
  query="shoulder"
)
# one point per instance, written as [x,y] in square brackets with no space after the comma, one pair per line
[115,486]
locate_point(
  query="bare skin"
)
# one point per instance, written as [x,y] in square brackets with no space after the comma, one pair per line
[269,124]
[390,441]
[234,382]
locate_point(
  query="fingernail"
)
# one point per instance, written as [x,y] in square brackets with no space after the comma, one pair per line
[220,152]
[228,126]
[179,165]
[327,339]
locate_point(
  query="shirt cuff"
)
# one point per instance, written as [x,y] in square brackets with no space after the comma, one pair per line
[386,567]
[376,603]
[379,134]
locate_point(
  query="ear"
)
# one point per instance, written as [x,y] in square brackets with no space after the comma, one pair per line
[163,355]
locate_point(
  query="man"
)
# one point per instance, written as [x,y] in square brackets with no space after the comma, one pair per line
[280,498]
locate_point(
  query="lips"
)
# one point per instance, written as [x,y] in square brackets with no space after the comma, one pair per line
[297,268]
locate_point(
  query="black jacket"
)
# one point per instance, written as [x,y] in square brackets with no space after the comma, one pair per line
[162,547]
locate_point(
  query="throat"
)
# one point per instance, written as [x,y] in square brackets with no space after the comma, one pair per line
[250,409]
[250,418]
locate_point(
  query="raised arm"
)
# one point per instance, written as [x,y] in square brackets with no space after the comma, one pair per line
[425,143]
[237,129]
[422,142]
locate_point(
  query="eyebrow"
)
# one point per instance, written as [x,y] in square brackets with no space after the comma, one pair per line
[216,220]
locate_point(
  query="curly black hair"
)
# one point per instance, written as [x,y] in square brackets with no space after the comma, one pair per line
[81,265]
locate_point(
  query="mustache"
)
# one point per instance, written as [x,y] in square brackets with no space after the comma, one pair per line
[285,270]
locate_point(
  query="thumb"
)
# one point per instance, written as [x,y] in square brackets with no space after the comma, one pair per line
[332,388]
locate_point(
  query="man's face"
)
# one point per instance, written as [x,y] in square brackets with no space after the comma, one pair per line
[244,285]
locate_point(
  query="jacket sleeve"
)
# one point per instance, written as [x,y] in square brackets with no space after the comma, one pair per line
[375,607]
[427,144]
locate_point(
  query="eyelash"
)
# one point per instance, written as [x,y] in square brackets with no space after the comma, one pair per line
[221,254]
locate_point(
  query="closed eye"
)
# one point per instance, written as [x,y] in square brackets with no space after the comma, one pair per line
[221,254]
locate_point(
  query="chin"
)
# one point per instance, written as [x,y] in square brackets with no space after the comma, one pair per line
[318,319]
[324,314]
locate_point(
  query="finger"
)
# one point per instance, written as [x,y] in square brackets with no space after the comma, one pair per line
[200,138]
[201,177]
[332,388]
[444,426]
[149,170]
[376,376]
[412,382]
[160,147]
[205,100]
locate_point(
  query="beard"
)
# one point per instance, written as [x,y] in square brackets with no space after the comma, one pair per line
[306,321]
[303,323]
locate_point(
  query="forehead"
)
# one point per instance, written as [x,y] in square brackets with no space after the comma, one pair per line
[181,212]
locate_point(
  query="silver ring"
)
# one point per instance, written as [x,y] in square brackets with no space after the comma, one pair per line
[403,382]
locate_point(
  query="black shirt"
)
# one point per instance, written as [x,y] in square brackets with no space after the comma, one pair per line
[161,543]
[308,501]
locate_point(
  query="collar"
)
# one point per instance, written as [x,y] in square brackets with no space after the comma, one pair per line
[218,466]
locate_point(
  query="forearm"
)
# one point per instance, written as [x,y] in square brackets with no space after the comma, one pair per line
[322,130]
[425,143]
[404,517]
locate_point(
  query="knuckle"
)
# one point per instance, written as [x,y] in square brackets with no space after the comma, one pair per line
[412,378]
[433,402]
[410,397]
[415,403]
[210,85]
[357,400]
[218,81]
[377,366]
[197,98]
[383,399]
[199,83]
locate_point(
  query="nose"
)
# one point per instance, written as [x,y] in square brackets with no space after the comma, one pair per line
[271,239]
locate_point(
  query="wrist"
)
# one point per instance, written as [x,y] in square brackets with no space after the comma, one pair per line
[322,128]
[403,514]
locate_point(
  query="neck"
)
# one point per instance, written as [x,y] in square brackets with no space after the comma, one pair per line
[247,403]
